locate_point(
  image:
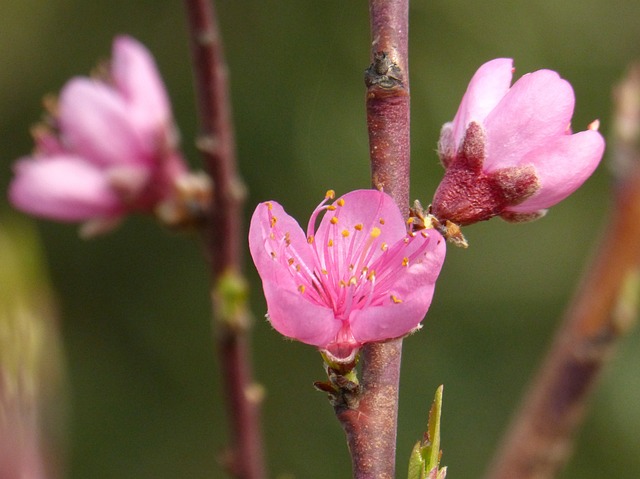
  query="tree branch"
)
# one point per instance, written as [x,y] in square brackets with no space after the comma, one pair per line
[371,422]
[225,241]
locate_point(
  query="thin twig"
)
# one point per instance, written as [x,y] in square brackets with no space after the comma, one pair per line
[225,240]
[371,422]
[539,440]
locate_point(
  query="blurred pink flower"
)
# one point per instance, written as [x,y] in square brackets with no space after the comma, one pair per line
[360,277]
[509,150]
[108,149]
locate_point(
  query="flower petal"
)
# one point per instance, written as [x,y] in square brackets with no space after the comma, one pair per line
[289,310]
[65,188]
[414,287]
[487,87]
[562,167]
[135,74]
[96,124]
[538,107]
[368,208]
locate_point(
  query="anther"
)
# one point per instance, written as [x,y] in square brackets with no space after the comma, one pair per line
[395,299]
[330,194]
[333,220]
[345,233]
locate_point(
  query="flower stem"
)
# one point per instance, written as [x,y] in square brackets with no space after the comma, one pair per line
[371,422]
[225,239]
[539,440]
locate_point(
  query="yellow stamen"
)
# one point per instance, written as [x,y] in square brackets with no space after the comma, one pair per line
[405,261]
[358,227]
[331,208]
[310,239]
[395,299]
[301,288]
[330,243]
[345,233]
[330,194]
[269,205]
[290,261]
[340,202]
[384,246]
[333,220]
[375,232]
[381,220]
[272,221]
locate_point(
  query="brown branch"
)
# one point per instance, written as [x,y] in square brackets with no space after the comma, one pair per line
[539,440]
[387,81]
[371,422]
[225,240]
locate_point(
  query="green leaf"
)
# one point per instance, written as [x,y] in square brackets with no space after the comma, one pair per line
[417,468]
[431,451]
[424,462]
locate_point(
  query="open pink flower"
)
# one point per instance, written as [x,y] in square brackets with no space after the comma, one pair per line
[360,277]
[509,150]
[108,148]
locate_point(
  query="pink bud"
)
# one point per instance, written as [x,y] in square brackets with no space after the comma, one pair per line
[359,277]
[509,151]
[109,149]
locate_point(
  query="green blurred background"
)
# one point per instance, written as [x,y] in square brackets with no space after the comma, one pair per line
[134,309]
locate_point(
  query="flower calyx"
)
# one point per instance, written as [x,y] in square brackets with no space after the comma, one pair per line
[467,194]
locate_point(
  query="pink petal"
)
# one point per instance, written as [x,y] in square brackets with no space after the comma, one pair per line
[295,317]
[135,74]
[414,286]
[97,125]
[562,166]
[63,188]
[290,313]
[537,108]
[487,87]
[371,208]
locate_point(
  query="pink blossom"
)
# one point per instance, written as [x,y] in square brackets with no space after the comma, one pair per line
[108,148]
[510,151]
[359,277]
